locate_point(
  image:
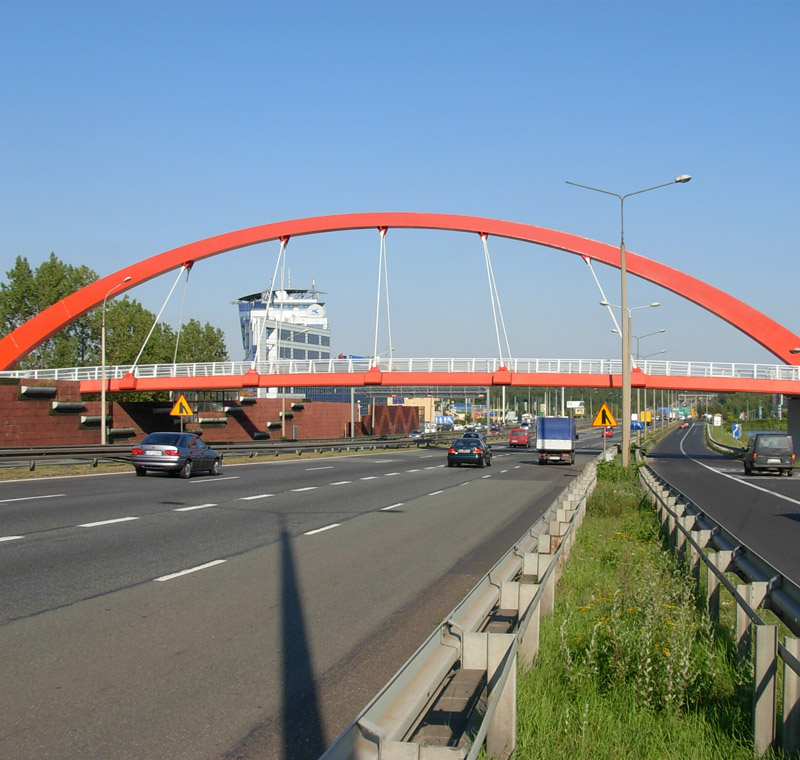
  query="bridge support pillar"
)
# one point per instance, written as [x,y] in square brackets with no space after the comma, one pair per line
[794,421]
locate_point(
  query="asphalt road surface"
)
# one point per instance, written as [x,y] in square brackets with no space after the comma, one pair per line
[251,615]
[762,511]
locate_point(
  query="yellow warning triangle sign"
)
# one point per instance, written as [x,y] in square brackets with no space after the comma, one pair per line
[604,418]
[181,408]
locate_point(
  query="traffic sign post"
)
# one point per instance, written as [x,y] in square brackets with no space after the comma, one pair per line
[604,419]
[181,409]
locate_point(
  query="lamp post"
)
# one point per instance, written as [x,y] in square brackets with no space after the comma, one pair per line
[626,339]
[103,362]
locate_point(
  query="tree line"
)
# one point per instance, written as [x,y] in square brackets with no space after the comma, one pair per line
[27,291]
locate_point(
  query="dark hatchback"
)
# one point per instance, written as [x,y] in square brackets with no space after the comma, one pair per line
[469,451]
[176,454]
[769,451]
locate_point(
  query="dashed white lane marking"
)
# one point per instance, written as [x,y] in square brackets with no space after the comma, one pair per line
[30,498]
[486,476]
[392,506]
[307,488]
[387,474]
[311,469]
[106,522]
[427,456]
[320,530]
[10,538]
[341,482]
[256,496]
[435,493]
[518,466]
[370,477]
[213,480]
[190,570]
[191,509]
[412,470]
[502,471]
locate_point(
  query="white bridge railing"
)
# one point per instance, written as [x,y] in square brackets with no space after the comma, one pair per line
[330,366]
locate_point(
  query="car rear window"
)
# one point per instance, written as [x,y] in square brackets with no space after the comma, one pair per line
[467,443]
[774,443]
[163,439]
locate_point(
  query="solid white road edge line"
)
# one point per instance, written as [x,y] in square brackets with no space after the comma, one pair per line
[29,498]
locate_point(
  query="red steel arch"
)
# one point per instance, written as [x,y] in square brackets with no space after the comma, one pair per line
[765,331]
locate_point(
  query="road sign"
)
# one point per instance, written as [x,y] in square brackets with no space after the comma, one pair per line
[637,425]
[604,418]
[736,429]
[181,408]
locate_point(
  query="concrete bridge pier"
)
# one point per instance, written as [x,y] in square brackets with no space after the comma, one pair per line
[793,421]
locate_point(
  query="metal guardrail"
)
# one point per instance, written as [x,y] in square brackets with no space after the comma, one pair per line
[328,366]
[690,533]
[122,452]
[465,652]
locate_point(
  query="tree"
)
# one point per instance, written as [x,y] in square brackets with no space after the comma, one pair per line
[204,341]
[28,292]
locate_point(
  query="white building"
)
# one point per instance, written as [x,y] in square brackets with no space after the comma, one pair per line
[290,324]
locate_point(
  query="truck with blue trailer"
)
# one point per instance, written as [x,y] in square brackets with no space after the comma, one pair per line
[555,439]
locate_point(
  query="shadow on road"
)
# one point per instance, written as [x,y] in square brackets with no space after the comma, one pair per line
[300,715]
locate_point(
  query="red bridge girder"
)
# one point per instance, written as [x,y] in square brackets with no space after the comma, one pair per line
[765,331]
[375,378]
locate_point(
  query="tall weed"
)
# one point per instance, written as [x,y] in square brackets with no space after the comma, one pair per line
[628,665]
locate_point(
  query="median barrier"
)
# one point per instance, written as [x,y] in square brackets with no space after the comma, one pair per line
[457,692]
[697,538]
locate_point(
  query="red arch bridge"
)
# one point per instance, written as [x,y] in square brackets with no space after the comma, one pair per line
[783,377]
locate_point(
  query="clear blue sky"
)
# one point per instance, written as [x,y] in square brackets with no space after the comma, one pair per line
[130,128]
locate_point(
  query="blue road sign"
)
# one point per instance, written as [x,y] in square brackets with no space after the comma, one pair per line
[736,429]
[637,425]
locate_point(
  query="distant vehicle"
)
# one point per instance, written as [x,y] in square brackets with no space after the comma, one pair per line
[469,451]
[683,424]
[526,425]
[472,434]
[607,432]
[416,434]
[176,454]
[519,437]
[555,439]
[769,451]
[496,429]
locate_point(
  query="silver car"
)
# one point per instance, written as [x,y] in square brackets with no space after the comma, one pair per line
[176,454]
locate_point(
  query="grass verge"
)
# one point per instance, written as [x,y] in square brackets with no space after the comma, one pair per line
[628,665]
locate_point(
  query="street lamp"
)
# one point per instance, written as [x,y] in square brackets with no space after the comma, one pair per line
[626,340]
[103,362]
[637,338]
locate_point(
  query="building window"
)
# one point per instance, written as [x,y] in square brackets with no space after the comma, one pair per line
[298,353]
[313,338]
[313,354]
[326,340]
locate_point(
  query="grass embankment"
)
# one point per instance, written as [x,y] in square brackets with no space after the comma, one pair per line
[628,665]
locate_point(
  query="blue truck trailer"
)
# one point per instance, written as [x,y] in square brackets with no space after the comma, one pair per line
[555,439]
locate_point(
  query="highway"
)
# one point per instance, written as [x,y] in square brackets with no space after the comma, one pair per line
[248,615]
[762,511]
